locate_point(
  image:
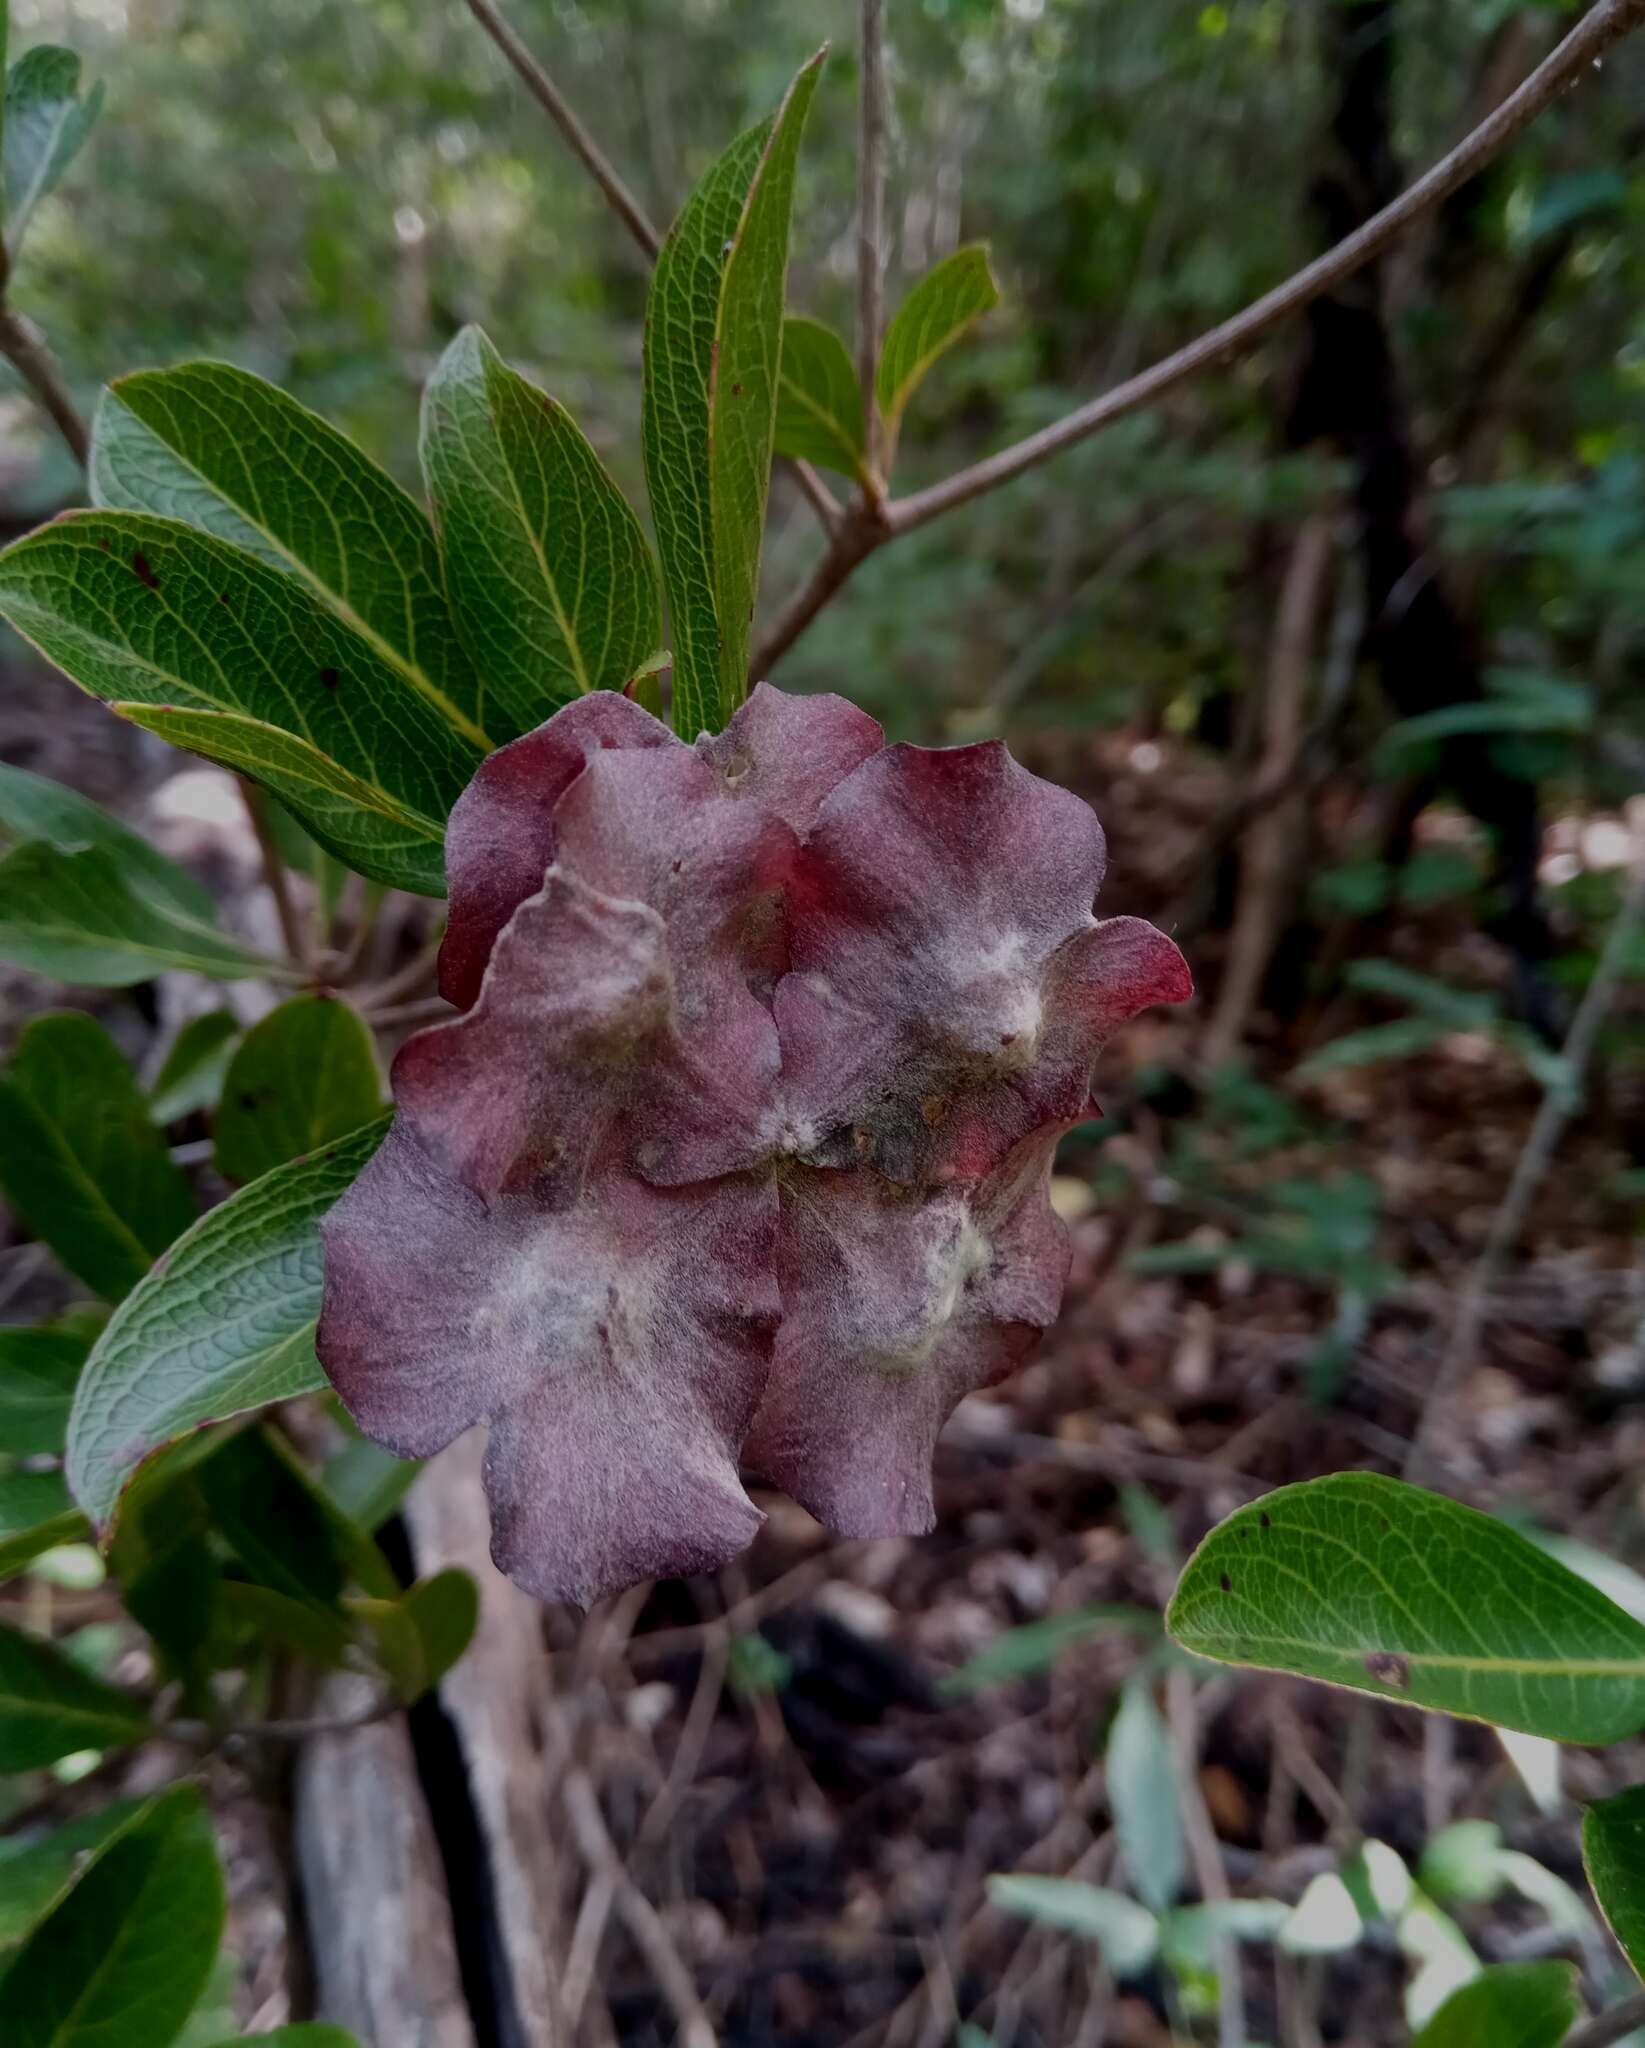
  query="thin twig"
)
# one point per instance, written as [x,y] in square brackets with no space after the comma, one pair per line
[559,110]
[407,981]
[24,347]
[623,203]
[426,1010]
[277,876]
[1548,1127]
[1598,31]
[870,208]
[1610,2027]
[1206,1852]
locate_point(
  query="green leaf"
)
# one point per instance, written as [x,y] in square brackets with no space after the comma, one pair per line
[1141,1776]
[1512,2005]
[170,1574]
[37,1875]
[80,1160]
[38,1371]
[271,1520]
[1190,1936]
[291,1624]
[819,401]
[1613,1853]
[551,579]
[304,1075]
[46,125]
[1127,1934]
[423,1634]
[34,807]
[355,819]
[82,917]
[226,1326]
[367,1482]
[139,610]
[929,321]
[191,1077]
[125,1957]
[1365,1582]
[1401,1039]
[36,1514]
[50,1707]
[1027,1651]
[713,344]
[235,456]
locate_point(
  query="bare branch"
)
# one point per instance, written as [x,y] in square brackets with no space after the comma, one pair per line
[1553,1114]
[24,348]
[623,203]
[277,875]
[1598,31]
[870,206]
[1615,2025]
[558,109]
[1603,26]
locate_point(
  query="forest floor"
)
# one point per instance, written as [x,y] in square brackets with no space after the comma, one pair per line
[812,1763]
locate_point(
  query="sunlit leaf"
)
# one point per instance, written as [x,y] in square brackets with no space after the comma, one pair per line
[226,1326]
[1365,1582]
[80,1159]
[713,344]
[550,575]
[225,451]
[819,401]
[307,1073]
[50,1706]
[46,125]
[127,1954]
[935,314]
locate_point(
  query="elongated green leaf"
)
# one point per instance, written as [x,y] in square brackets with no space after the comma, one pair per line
[81,917]
[34,807]
[1127,1934]
[354,818]
[36,1514]
[50,1707]
[367,1482]
[79,1158]
[271,1520]
[149,611]
[125,1957]
[929,321]
[1365,1582]
[304,1075]
[191,1076]
[37,1875]
[250,1615]
[46,125]
[1513,2005]
[713,344]
[223,450]
[549,573]
[1142,1795]
[38,1369]
[226,1326]
[819,401]
[1027,1651]
[1613,1852]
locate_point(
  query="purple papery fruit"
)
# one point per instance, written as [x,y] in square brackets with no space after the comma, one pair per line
[739,1156]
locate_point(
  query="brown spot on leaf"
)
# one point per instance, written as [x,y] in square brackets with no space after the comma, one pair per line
[105,544]
[141,570]
[329,679]
[1263,1520]
[1388,1667]
[1226,1583]
[736,391]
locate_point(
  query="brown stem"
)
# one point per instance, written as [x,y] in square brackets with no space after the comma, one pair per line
[870,207]
[23,346]
[1598,31]
[1610,2027]
[276,874]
